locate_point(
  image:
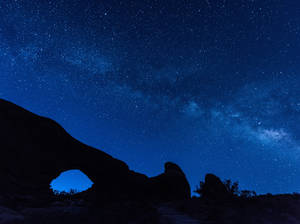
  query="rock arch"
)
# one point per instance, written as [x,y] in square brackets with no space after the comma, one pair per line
[35,150]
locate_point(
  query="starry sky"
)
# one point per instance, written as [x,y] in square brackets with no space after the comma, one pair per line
[212,85]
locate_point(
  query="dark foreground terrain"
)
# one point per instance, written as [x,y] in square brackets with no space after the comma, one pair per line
[267,209]
[34,150]
[77,211]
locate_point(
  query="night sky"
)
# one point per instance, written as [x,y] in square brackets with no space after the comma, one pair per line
[212,85]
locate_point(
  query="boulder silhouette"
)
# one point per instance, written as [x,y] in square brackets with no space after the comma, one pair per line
[35,150]
[214,188]
[172,184]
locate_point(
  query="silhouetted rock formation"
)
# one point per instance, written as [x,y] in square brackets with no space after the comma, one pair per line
[35,150]
[214,188]
[172,184]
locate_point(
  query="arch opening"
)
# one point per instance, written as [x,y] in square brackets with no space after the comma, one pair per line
[71,180]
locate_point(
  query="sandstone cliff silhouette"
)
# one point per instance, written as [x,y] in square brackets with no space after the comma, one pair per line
[35,150]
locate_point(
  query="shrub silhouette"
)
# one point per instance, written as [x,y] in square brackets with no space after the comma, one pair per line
[247,194]
[231,187]
[64,195]
[199,189]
